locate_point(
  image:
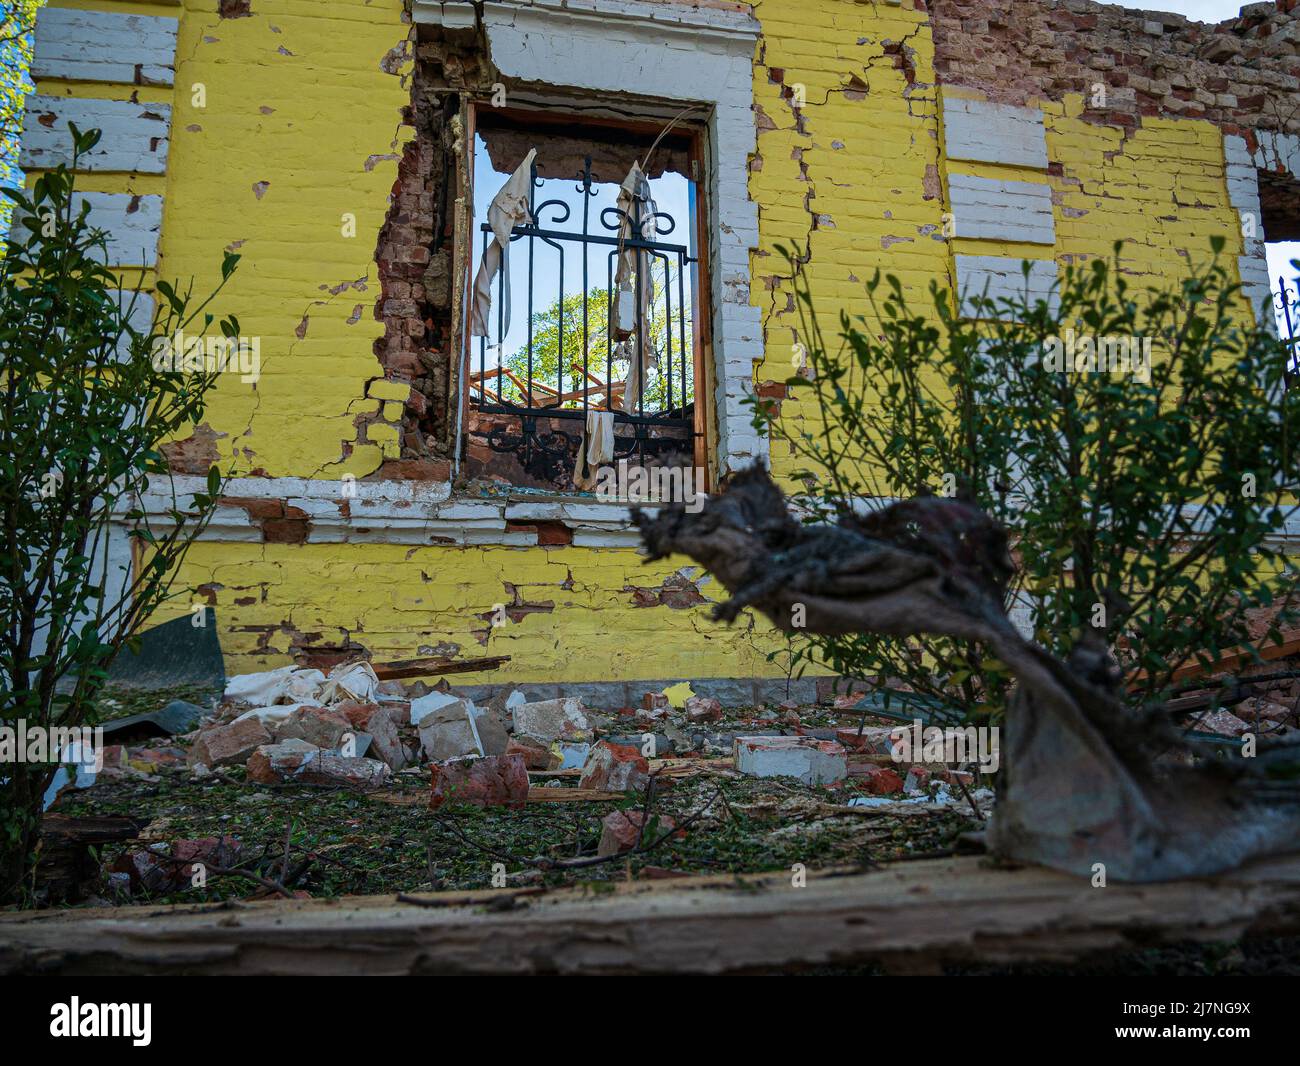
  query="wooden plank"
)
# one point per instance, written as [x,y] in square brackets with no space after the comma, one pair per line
[134,136]
[67,868]
[907,915]
[560,794]
[1234,658]
[536,794]
[79,45]
[434,665]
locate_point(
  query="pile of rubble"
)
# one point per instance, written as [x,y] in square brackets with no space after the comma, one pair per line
[349,729]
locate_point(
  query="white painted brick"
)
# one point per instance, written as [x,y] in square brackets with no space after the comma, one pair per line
[606,538]
[104,46]
[1243,194]
[1278,151]
[134,136]
[464,511]
[140,318]
[598,513]
[130,223]
[999,277]
[994,133]
[316,508]
[510,540]
[534,512]
[1257,287]
[994,209]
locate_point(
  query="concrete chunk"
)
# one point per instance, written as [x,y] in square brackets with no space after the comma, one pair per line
[450,732]
[814,762]
[551,720]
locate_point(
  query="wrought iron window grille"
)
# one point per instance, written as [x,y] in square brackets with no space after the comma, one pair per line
[656,424]
[1287,300]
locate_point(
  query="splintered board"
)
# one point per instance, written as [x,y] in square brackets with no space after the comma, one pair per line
[909,917]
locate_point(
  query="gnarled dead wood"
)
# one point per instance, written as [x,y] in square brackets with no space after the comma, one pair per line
[1086,779]
[909,916]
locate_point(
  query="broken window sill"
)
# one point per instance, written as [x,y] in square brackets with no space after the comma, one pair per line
[300,510]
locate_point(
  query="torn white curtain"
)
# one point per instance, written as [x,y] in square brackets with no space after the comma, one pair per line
[633,277]
[509,208]
[595,449]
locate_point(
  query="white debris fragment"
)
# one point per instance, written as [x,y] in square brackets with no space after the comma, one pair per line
[549,720]
[85,760]
[426,705]
[261,689]
[813,761]
[351,681]
[304,686]
[273,714]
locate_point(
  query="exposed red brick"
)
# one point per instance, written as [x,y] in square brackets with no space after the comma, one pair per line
[256,509]
[414,470]
[286,530]
[197,454]
[1233,74]
[553,533]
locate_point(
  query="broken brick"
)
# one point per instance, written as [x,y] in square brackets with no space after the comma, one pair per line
[323,727]
[493,781]
[536,754]
[703,709]
[881,781]
[163,868]
[621,831]
[295,762]
[228,745]
[615,768]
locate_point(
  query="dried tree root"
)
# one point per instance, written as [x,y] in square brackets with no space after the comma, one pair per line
[1086,779]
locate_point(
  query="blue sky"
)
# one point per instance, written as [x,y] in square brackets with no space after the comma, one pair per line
[672,193]
[14,59]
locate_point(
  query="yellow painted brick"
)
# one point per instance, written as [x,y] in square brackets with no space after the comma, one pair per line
[389,390]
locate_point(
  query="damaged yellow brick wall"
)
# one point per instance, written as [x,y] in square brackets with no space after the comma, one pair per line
[289,162]
[847,170]
[302,127]
[820,158]
[286,136]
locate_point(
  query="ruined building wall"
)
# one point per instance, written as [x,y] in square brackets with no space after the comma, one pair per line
[314,113]
[316,154]
[1159,129]
[1043,130]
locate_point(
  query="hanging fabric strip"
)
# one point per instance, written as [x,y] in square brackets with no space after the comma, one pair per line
[509,208]
[633,283]
[595,449]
